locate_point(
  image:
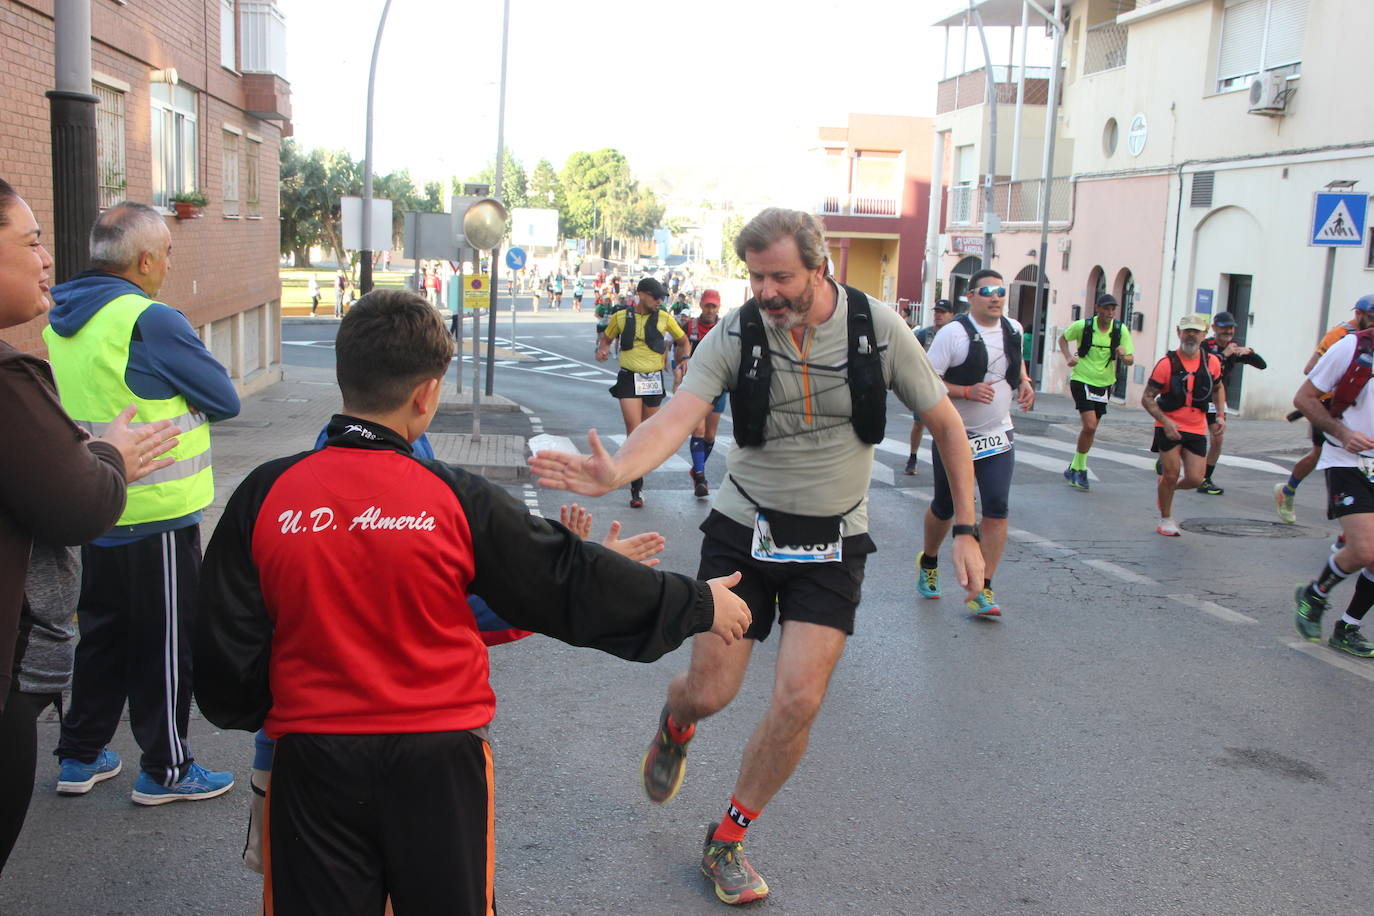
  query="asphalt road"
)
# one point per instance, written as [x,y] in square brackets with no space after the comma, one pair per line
[1141,732]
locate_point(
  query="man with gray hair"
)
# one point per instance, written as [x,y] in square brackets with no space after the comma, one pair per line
[113,344]
[808,363]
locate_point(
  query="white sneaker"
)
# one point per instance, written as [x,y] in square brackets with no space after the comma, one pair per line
[1168,527]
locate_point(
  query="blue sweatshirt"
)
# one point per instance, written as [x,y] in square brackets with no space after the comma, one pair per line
[166,358]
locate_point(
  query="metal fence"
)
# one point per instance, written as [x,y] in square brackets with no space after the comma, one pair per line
[1013,201]
[1105,48]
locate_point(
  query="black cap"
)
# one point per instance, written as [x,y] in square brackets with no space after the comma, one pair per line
[652,287]
[1107,299]
[1224,320]
[942,305]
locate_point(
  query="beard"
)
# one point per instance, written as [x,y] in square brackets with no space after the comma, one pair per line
[1190,349]
[786,314]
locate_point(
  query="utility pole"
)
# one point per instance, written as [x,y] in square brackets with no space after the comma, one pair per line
[500,169]
[75,179]
[365,256]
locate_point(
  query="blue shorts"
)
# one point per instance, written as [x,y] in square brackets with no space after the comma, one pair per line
[994,484]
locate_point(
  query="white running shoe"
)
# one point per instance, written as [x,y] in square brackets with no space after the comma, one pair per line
[1168,527]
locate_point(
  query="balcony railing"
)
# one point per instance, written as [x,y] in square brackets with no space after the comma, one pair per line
[968,90]
[1105,48]
[262,37]
[839,205]
[1015,202]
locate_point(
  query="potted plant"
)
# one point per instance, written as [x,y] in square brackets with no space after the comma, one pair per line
[188,204]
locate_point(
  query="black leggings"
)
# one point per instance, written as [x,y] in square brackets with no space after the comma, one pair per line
[18,758]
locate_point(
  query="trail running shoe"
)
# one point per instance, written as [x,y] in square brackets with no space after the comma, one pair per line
[198,784]
[699,487]
[664,764]
[1283,502]
[734,878]
[1082,478]
[910,469]
[77,778]
[927,580]
[636,498]
[1348,639]
[1071,475]
[1209,488]
[1308,618]
[1168,527]
[985,605]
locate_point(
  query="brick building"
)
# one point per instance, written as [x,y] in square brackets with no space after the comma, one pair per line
[192,97]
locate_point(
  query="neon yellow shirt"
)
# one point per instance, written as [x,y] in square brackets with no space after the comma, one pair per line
[640,358]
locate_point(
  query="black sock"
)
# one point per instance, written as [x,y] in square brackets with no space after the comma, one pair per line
[1363,599]
[987,583]
[1210,469]
[1331,576]
[637,483]
[929,562]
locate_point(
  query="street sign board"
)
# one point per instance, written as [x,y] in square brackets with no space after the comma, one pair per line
[515,259]
[476,291]
[532,227]
[1338,220]
[351,213]
[1202,303]
[436,236]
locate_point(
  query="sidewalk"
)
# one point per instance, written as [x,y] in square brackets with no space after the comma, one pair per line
[287,417]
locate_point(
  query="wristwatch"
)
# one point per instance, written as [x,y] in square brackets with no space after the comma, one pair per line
[970,530]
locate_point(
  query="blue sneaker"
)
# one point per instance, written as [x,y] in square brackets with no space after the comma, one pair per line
[77,778]
[1083,479]
[985,605]
[198,783]
[927,580]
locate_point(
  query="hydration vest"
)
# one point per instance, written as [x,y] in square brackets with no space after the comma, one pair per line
[1356,376]
[696,330]
[867,393]
[974,368]
[1085,342]
[1179,387]
[653,337]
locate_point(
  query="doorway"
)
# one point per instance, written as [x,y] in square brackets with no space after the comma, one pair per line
[1127,314]
[1238,304]
[958,283]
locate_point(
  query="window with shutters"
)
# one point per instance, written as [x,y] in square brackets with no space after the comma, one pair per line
[252,186]
[229,154]
[173,141]
[109,144]
[1260,36]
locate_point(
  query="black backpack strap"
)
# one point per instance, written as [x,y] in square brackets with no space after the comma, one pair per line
[1085,340]
[1011,343]
[749,399]
[867,393]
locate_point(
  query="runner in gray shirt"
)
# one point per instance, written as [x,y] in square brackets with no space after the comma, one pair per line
[812,473]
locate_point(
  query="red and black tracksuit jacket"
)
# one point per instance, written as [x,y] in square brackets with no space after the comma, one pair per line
[332,598]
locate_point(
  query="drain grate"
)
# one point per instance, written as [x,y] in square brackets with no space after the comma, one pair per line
[1246,528]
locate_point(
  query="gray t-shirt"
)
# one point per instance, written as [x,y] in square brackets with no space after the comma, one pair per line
[811,462]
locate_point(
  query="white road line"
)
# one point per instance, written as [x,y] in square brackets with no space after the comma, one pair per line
[1120,572]
[1254,464]
[587,374]
[552,443]
[1211,607]
[1035,539]
[560,368]
[1046,462]
[918,495]
[1023,456]
[1334,657]
[1135,461]
[674,462]
[881,473]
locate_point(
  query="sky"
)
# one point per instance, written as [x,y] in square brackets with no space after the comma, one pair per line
[708,98]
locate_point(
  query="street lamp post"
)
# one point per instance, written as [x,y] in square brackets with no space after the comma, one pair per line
[365,256]
[500,169]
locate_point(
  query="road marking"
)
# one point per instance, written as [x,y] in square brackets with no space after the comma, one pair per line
[1119,572]
[673,463]
[1211,607]
[1035,539]
[1334,657]
[1254,464]
[881,473]
[1045,462]
[547,443]
[561,367]
[1135,461]
[918,495]
[587,374]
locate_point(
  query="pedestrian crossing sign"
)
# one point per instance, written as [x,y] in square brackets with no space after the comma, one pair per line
[476,291]
[1338,220]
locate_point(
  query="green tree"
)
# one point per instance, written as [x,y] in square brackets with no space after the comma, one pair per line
[545,190]
[433,201]
[399,188]
[310,195]
[734,267]
[514,182]
[602,199]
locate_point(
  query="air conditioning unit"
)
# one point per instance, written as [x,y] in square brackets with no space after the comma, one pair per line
[1269,94]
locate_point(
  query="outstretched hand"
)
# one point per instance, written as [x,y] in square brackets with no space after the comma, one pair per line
[141,445]
[576,519]
[732,613]
[642,548]
[590,475]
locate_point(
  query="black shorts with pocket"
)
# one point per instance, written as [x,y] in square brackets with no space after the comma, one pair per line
[1191,442]
[1348,492]
[821,593]
[1079,390]
[624,387]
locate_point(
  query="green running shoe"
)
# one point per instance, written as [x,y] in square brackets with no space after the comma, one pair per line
[1349,639]
[734,878]
[1310,608]
[1283,502]
[1209,488]
[927,580]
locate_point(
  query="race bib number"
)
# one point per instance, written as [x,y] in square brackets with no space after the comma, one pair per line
[648,383]
[989,445]
[1096,395]
[764,548]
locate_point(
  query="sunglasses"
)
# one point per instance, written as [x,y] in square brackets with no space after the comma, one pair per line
[991,291]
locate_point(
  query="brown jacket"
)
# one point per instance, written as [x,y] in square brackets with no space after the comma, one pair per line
[56,485]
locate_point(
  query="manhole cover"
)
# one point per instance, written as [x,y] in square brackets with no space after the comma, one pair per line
[1245,528]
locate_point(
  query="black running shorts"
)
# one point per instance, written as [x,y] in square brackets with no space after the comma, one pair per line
[1079,390]
[1348,492]
[624,387]
[1191,442]
[822,593]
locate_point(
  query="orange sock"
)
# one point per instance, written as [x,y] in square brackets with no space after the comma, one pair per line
[678,733]
[736,821]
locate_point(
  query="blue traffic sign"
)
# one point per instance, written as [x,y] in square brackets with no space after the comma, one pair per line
[1338,220]
[515,259]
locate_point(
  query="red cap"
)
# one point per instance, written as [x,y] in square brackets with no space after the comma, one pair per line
[709,296]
